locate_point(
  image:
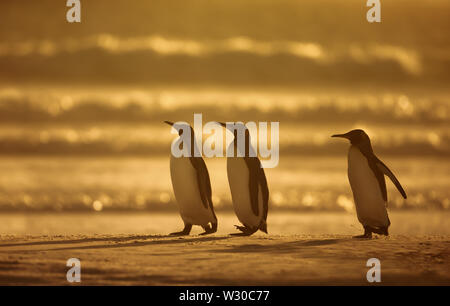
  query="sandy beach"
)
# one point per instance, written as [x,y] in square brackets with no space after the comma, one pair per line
[220,259]
[224,260]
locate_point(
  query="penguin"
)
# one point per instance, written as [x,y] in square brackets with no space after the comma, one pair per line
[248,186]
[366,176]
[192,187]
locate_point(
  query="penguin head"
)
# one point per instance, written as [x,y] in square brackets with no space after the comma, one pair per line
[180,127]
[357,137]
[235,127]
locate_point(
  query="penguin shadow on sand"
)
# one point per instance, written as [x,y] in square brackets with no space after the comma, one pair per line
[279,248]
[111,239]
[119,242]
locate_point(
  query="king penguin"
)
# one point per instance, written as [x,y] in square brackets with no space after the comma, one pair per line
[192,187]
[248,185]
[366,176]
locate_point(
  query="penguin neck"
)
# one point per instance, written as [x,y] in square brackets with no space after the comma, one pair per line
[191,147]
[246,147]
[365,148]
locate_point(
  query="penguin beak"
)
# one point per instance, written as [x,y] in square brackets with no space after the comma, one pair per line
[169,123]
[340,135]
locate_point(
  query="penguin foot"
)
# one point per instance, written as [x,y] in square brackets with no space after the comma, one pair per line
[209,229]
[367,233]
[184,232]
[246,231]
[381,231]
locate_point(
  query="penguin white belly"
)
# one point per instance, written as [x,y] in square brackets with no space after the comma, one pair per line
[238,178]
[369,202]
[187,193]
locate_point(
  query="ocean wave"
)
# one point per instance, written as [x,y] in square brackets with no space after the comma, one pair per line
[154,106]
[120,121]
[289,200]
[107,58]
[408,59]
[155,140]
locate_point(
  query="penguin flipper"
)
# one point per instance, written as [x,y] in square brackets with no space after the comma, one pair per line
[209,229]
[386,171]
[373,164]
[184,232]
[372,161]
[253,166]
[265,192]
[204,182]
[245,231]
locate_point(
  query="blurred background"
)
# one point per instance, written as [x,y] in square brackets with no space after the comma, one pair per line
[82,105]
